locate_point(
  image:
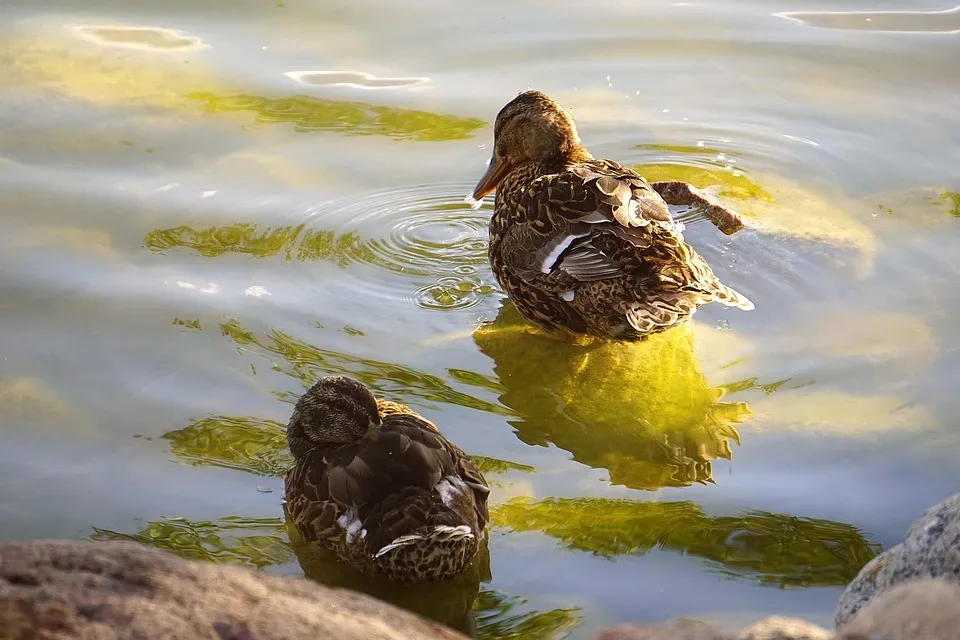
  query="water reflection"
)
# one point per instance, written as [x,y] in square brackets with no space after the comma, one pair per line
[409,232]
[773,205]
[259,543]
[250,542]
[141,38]
[49,65]
[450,602]
[308,114]
[771,548]
[30,403]
[725,182]
[308,363]
[952,199]
[643,411]
[354,79]
[259,446]
[500,616]
[242,237]
[246,444]
[934,22]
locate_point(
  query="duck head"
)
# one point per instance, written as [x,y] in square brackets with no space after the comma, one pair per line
[531,127]
[335,411]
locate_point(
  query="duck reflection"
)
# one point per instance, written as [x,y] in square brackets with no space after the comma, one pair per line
[643,411]
[771,548]
[449,603]
[499,616]
[261,543]
[258,446]
[255,543]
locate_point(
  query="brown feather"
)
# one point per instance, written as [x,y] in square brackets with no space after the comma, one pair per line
[585,245]
[387,479]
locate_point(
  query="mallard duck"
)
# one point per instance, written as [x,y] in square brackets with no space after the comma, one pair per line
[380,486]
[587,246]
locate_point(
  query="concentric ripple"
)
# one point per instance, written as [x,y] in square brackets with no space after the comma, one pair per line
[427,235]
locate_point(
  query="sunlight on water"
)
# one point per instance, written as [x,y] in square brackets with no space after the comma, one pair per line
[931,22]
[662,428]
[354,79]
[770,548]
[140,37]
[205,209]
[118,70]
[309,114]
[410,232]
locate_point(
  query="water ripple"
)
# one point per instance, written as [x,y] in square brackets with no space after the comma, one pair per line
[423,233]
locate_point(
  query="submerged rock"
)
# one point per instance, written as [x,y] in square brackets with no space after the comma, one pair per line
[120,590]
[916,610]
[931,549]
[673,630]
[780,628]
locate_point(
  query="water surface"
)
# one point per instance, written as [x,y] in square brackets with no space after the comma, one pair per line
[204,209]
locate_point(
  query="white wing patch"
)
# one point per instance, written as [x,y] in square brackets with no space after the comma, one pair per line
[449,488]
[568,295]
[350,522]
[550,261]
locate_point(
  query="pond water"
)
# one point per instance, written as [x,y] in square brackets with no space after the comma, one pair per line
[205,207]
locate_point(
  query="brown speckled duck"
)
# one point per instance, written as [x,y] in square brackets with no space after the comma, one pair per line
[379,486]
[587,246]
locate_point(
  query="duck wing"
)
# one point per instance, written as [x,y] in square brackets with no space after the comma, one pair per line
[397,478]
[561,216]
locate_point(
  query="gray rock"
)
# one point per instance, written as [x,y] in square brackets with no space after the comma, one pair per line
[916,610]
[931,549]
[53,590]
[780,628]
[872,579]
[932,546]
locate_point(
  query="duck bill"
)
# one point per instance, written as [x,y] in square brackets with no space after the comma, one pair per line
[495,173]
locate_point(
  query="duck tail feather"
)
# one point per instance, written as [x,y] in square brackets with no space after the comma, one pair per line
[731,298]
[435,535]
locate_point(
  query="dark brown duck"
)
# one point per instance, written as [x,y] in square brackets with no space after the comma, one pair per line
[586,246]
[380,486]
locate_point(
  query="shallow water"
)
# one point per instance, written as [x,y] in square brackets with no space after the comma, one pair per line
[205,209]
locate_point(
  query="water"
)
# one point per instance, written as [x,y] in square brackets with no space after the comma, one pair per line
[204,209]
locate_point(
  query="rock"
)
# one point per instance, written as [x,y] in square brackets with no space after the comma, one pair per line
[917,610]
[931,549]
[673,630]
[54,590]
[873,578]
[932,546]
[780,628]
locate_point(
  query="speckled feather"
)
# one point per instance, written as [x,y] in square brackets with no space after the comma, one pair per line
[588,246]
[384,487]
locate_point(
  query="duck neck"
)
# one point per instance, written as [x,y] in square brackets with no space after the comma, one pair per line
[520,177]
[578,153]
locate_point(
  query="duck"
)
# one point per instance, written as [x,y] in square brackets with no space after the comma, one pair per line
[586,247]
[379,486]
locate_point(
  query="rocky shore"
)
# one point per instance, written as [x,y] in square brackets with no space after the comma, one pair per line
[121,590]
[909,592]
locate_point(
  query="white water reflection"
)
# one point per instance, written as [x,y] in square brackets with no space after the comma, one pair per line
[939,22]
[355,80]
[141,38]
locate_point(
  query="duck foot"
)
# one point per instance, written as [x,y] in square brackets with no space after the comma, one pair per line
[683,193]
